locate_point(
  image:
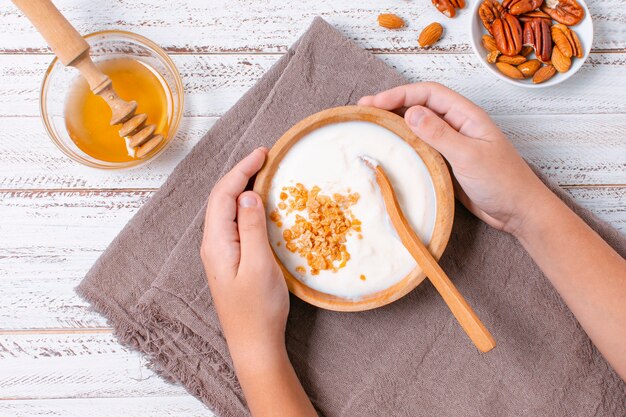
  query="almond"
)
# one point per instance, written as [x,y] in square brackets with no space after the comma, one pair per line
[390,21]
[489,43]
[560,61]
[430,35]
[509,70]
[529,68]
[544,74]
[513,60]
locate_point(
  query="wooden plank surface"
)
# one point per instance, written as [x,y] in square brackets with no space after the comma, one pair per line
[51,238]
[75,366]
[59,358]
[571,149]
[181,406]
[236,26]
[213,83]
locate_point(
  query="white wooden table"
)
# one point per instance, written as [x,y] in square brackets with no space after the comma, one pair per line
[56,217]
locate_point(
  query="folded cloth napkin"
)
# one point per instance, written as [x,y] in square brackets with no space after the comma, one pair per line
[407,359]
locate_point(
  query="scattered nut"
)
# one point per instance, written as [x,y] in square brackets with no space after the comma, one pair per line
[529,68]
[430,35]
[513,60]
[448,7]
[568,12]
[509,70]
[560,61]
[544,74]
[390,21]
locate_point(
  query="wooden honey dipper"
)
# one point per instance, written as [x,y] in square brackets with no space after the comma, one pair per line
[73,51]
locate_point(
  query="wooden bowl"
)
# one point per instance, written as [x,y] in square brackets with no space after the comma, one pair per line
[436,166]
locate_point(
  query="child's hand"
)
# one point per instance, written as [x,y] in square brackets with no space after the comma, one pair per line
[495,182]
[248,288]
[250,294]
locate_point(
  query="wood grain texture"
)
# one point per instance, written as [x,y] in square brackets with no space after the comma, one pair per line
[56,216]
[213,83]
[182,406]
[227,26]
[51,238]
[75,366]
[571,149]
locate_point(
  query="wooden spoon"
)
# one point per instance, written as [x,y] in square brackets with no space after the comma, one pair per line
[464,314]
[73,51]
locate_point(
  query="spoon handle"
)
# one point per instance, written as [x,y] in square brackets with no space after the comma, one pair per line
[464,314]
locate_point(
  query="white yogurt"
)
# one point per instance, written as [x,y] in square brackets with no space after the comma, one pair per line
[329,157]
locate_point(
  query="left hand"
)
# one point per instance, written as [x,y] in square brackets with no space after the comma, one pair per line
[246,283]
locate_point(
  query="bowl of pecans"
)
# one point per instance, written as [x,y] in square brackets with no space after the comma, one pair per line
[327,222]
[531,43]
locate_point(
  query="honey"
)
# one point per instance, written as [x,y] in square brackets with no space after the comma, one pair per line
[87,116]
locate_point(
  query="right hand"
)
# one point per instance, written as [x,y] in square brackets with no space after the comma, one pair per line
[491,178]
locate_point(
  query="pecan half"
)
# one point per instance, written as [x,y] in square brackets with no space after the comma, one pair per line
[534,14]
[559,36]
[568,12]
[489,11]
[537,34]
[507,32]
[448,7]
[526,50]
[567,41]
[575,42]
[521,6]
[513,60]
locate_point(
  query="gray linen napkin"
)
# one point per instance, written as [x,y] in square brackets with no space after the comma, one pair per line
[409,358]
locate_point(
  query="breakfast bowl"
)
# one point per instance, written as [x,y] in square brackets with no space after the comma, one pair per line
[106,47]
[583,30]
[325,149]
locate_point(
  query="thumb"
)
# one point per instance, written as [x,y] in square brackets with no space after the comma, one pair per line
[433,130]
[255,248]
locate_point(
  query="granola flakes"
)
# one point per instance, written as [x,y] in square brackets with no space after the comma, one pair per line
[320,236]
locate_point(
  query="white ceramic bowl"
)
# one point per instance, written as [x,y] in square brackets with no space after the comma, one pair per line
[584,30]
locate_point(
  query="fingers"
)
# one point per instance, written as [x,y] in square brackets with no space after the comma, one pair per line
[222,206]
[455,109]
[220,229]
[255,248]
[437,133]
